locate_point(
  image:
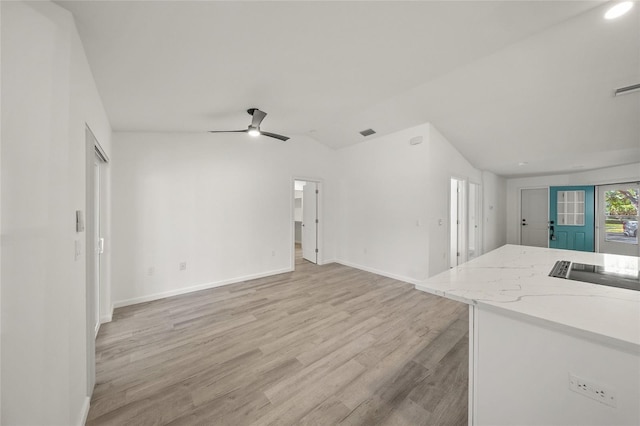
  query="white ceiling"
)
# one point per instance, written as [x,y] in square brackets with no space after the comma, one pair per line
[505,82]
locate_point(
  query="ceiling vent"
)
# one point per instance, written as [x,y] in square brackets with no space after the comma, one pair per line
[367,132]
[628,89]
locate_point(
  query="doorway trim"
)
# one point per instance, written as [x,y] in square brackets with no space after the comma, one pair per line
[93,152]
[479,205]
[599,215]
[320,208]
[461,221]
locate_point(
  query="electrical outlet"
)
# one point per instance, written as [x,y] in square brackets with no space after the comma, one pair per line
[183,266]
[595,391]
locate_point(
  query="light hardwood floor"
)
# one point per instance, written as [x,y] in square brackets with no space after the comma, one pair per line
[323,345]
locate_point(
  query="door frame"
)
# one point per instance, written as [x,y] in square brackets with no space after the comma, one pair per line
[599,212]
[320,229]
[93,151]
[96,225]
[462,217]
[479,217]
[589,200]
[519,218]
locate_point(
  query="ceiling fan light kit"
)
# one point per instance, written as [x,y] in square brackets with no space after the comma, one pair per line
[618,9]
[254,127]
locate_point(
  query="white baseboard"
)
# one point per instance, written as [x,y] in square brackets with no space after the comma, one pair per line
[97,328]
[379,272]
[84,411]
[108,317]
[185,290]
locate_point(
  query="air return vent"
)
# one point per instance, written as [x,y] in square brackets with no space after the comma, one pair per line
[627,89]
[367,132]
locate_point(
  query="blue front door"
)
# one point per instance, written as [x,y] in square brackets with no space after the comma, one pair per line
[571,216]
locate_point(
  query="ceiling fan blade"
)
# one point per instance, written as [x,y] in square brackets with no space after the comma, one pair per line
[228,131]
[274,135]
[258,116]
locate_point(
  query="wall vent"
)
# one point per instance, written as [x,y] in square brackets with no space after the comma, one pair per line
[367,132]
[627,89]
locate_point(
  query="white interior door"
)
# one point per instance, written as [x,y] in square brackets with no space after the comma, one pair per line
[534,217]
[97,251]
[457,228]
[617,218]
[310,222]
[474,240]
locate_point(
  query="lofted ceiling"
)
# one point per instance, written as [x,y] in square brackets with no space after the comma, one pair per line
[506,82]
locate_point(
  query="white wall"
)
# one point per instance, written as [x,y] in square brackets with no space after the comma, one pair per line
[222,203]
[443,163]
[628,173]
[522,376]
[494,211]
[394,203]
[48,95]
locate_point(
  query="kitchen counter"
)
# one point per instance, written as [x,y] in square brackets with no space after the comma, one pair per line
[544,350]
[515,279]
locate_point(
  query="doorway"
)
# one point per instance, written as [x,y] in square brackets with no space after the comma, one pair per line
[474,239]
[96,159]
[534,217]
[98,243]
[572,217]
[617,218]
[306,220]
[457,251]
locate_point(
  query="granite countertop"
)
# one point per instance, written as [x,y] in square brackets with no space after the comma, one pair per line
[515,279]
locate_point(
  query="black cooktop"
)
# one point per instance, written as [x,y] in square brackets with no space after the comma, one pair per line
[594,274]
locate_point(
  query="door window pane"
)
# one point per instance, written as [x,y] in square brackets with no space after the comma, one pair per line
[621,215]
[571,208]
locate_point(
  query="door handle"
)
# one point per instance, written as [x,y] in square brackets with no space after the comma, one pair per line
[101,246]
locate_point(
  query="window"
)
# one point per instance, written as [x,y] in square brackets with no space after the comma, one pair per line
[571,208]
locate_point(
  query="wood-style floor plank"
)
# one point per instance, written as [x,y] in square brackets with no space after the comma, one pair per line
[323,345]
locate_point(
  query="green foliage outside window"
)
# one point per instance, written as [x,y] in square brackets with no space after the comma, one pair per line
[622,203]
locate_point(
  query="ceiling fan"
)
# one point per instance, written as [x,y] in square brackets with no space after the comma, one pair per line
[254,127]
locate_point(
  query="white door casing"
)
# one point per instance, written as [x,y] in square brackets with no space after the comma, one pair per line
[310,222]
[474,238]
[457,223]
[97,249]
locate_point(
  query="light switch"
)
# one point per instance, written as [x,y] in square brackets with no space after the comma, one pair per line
[79,221]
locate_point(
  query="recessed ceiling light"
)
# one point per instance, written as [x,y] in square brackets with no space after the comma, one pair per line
[618,10]
[522,163]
